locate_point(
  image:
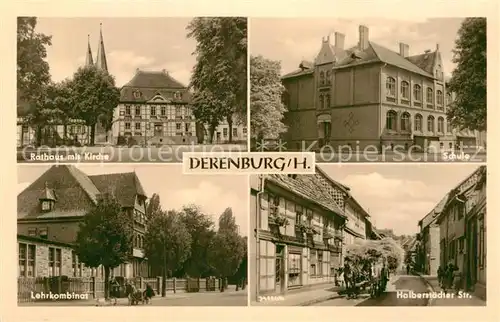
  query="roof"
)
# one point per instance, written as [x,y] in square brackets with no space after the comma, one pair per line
[75,192]
[433,214]
[309,188]
[38,240]
[151,84]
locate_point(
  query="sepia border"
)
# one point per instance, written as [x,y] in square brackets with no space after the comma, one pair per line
[257,8]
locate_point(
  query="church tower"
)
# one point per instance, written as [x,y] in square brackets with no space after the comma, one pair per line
[89,61]
[101,61]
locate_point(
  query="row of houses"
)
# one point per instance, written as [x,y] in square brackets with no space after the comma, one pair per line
[455,232]
[303,225]
[50,210]
[369,95]
[154,109]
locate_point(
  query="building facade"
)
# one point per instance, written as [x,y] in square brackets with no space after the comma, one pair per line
[368,95]
[301,230]
[221,134]
[154,110]
[53,206]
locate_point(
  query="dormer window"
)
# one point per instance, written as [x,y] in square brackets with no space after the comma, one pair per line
[137,94]
[47,199]
[178,95]
[46,205]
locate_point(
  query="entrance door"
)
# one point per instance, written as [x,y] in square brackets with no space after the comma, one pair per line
[280,269]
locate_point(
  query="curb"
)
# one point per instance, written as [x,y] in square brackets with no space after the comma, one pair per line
[319,300]
[430,289]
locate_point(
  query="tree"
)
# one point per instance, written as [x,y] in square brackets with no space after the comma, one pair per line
[32,74]
[153,207]
[201,229]
[242,272]
[95,97]
[105,237]
[220,73]
[208,109]
[468,81]
[59,103]
[227,248]
[266,103]
[167,243]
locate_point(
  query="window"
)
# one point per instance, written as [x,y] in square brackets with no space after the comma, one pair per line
[430,123]
[186,127]
[391,120]
[405,122]
[313,262]
[328,77]
[321,101]
[22,260]
[178,111]
[153,110]
[137,94]
[244,131]
[43,233]
[137,110]
[417,92]
[430,96]
[127,110]
[235,132]
[74,265]
[418,122]
[439,98]
[178,126]
[390,86]
[127,126]
[178,95]
[224,132]
[299,211]
[31,260]
[137,126]
[440,124]
[405,90]
[163,110]
[448,126]
[320,263]
[32,232]
[322,78]
[46,205]
[327,101]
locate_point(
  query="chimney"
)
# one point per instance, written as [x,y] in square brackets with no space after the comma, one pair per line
[339,40]
[404,50]
[363,37]
[437,47]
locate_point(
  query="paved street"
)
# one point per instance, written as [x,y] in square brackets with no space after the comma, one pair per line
[228,298]
[400,157]
[119,154]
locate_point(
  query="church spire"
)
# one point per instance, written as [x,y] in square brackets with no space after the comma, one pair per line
[89,61]
[101,62]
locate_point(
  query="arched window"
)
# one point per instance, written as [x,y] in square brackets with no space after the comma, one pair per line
[391,120]
[430,95]
[405,121]
[418,122]
[440,124]
[430,123]
[328,77]
[439,97]
[405,90]
[321,101]
[448,126]
[390,86]
[327,101]
[417,92]
[322,78]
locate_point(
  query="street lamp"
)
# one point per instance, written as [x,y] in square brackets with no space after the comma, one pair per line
[262,180]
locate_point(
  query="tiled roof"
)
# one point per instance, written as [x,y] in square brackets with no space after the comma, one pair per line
[424,61]
[298,72]
[124,186]
[309,188]
[433,214]
[150,84]
[75,192]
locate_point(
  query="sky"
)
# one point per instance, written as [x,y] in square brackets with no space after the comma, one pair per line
[398,196]
[130,43]
[212,193]
[291,40]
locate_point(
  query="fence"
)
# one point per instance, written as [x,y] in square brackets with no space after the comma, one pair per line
[94,286]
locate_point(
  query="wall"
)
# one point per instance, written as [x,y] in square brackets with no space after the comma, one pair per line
[357,86]
[434,251]
[42,257]
[63,231]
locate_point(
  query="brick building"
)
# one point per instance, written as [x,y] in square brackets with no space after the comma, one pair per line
[368,95]
[53,206]
[302,225]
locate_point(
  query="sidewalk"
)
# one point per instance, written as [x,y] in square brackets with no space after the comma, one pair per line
[309,296]
[451,299]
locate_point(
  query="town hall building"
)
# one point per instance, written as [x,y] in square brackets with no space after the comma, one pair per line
[368,95]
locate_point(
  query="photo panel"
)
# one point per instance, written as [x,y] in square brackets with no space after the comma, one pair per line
[370,90]
[369,235]
[130,89]
[115,235]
